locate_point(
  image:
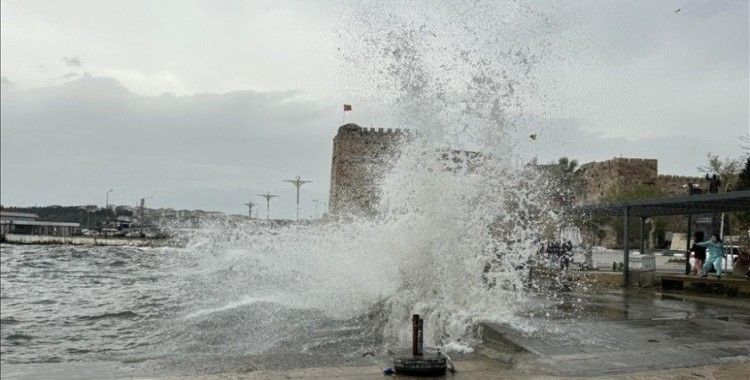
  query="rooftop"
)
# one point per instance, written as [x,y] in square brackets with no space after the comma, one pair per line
[13,214]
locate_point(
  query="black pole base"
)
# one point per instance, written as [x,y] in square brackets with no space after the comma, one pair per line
[426,365]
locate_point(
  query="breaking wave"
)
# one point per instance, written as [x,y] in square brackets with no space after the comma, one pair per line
[449,242]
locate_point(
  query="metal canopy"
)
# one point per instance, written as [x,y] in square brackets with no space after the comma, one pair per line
[734,201]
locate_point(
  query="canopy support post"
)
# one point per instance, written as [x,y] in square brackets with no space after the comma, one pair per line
[643,239]
[626,248]
[687,238]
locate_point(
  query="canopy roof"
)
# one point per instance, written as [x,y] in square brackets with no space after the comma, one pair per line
[733,201]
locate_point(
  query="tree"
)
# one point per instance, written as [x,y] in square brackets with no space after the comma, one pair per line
[727,169]
[743,183]
[745,143]
[565,177]
[743,179]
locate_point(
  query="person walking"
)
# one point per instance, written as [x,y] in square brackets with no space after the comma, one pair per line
[715,253]
[699,253]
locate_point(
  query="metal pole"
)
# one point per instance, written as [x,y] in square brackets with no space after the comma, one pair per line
[297,182]
[643,239]
[106,212]
[687,248]
[268,197]
[417,337]
[249,205]
[626,248]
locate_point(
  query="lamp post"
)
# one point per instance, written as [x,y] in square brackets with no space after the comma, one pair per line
[142,213]
[249,205]
[106,212]
[268,197]
[297,182]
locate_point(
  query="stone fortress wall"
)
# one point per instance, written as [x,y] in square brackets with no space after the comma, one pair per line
[672,185]
[361,157]
[601,179]
[605,178]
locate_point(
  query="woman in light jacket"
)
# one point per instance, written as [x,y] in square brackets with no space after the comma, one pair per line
[715,252]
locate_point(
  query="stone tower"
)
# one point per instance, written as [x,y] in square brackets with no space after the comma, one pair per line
[361,157]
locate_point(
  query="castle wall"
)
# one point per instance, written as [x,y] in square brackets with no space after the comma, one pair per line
[672,185]
[602,179]
[361,157]
[605,178]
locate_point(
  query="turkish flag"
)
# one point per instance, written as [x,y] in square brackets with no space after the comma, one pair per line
[347,107]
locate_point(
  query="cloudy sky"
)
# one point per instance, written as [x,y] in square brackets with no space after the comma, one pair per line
[205,104]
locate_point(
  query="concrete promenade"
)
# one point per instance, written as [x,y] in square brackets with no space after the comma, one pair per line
[616,335]
[624,333]
[484,369]
[611,334]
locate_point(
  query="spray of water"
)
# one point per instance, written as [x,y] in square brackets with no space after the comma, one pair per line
[454,232]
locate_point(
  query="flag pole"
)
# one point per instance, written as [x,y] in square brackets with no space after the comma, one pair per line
[347,107]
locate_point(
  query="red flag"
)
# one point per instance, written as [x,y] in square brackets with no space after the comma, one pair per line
[347,107]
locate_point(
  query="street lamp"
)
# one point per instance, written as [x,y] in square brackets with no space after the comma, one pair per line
[268,197]
[297,182]
[106,212]
[249,205]
[142,213]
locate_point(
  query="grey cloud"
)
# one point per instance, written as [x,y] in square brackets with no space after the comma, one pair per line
[69,75]
[72,61]
[63,144]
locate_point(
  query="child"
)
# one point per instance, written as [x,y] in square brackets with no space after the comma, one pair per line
[715,253]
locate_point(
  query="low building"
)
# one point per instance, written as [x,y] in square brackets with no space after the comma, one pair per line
[33,227]
[24,223]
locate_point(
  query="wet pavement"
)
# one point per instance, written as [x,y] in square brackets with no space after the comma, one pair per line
[484,369]
[614,335]
[630,335]
[624,333]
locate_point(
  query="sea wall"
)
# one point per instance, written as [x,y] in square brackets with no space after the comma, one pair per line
[84,240]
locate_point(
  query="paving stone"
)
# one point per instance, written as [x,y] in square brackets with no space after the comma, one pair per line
[601,347]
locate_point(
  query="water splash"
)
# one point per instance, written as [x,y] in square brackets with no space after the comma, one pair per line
[450,242]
